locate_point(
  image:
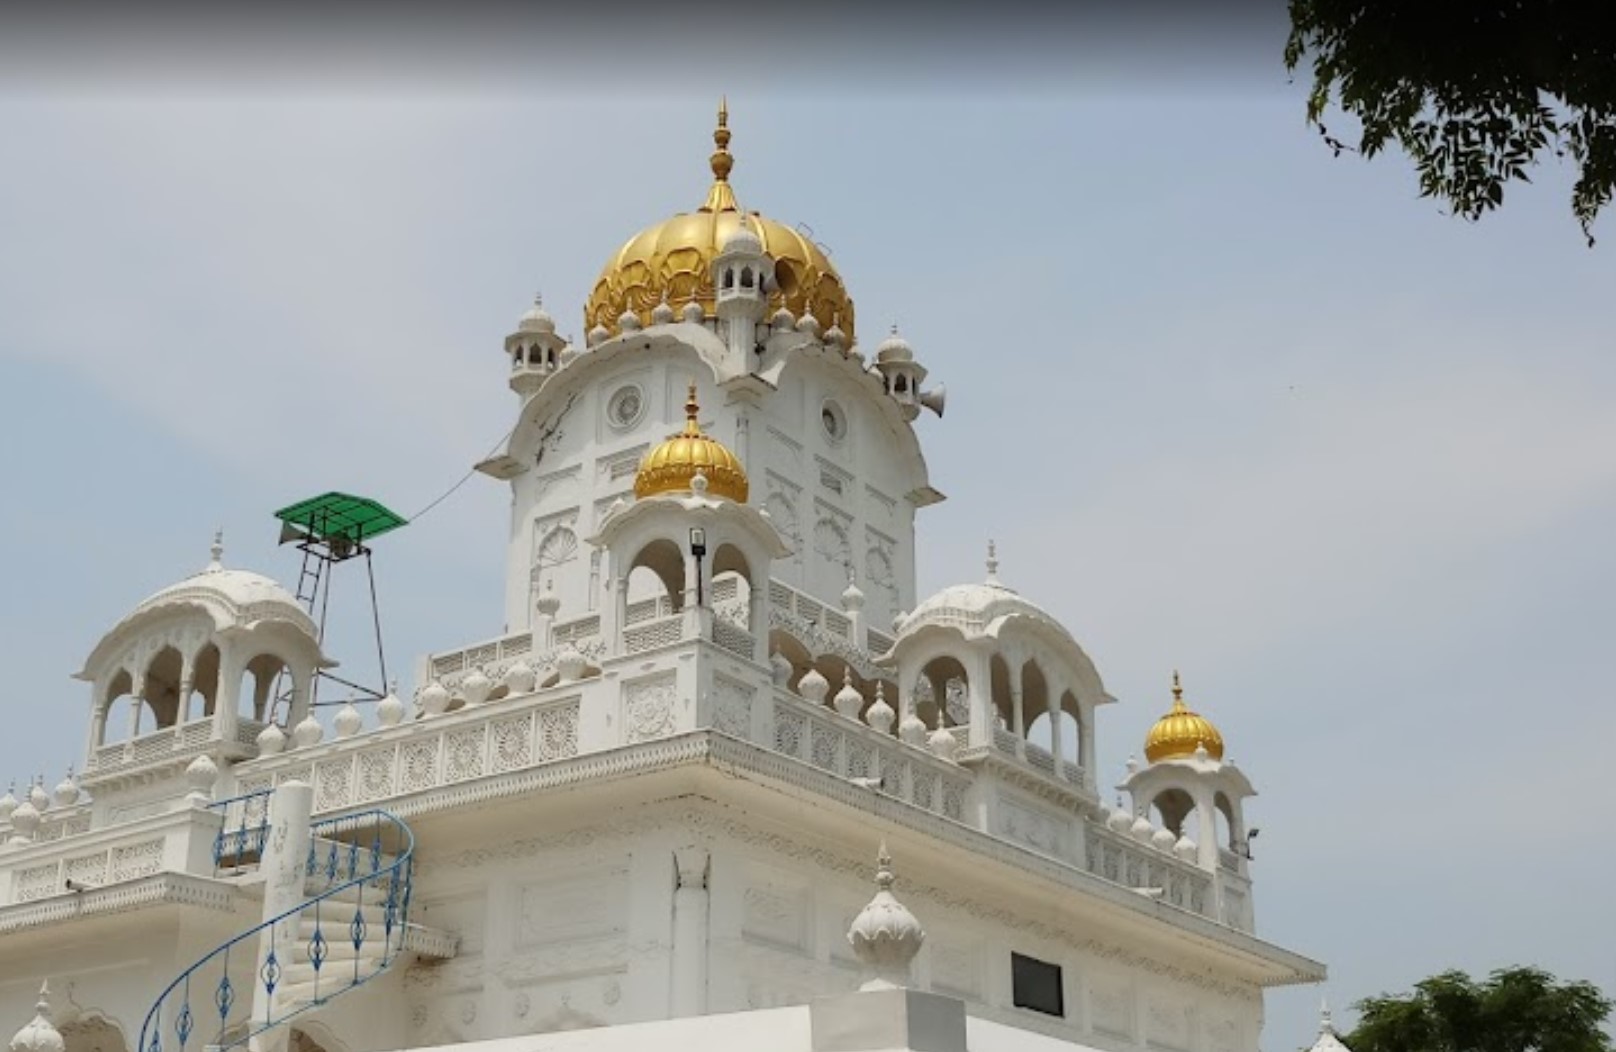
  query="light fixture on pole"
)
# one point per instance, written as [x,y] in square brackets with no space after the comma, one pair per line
[698,548]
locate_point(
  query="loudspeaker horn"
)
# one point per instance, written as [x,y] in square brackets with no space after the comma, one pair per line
[935,398]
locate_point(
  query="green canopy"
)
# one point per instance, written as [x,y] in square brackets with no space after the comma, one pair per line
[341,516]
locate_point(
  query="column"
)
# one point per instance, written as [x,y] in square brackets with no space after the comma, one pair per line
[182,704]
[979,684]
[227,698]
[1057,726]
[262,700]
[1085,743]
[757,618]
[136,703]
[619,613]
[285,853]
[1019,718]
[1207,817]
[690,907]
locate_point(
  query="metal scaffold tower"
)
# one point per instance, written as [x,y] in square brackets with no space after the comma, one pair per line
[330,530]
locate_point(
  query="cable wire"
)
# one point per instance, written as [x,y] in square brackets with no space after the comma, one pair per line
[446,494]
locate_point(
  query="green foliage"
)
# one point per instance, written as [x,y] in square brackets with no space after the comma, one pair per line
[1514,1010]
[1473,91]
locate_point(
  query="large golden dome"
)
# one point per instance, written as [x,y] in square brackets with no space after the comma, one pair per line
[1181,731]
[671,466]
[674,259]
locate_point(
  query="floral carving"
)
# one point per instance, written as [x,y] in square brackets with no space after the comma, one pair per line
[648,708]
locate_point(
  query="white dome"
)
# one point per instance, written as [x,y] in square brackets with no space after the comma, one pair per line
[743,239]
[40,1035]
[975,609]
[233,598]
[894,349]
[537,319]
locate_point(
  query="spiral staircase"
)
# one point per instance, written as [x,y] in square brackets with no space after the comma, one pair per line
[337,917]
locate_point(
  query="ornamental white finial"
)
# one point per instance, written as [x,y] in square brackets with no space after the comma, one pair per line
[40,1035]
[549,603]
[885,935]
[216,551]
[1326,1026]
[993,562]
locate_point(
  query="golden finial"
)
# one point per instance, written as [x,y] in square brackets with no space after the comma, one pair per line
[1178,692]
[692,411]
[721,160]
[721,198]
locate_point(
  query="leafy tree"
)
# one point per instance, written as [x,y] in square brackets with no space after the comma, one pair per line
[1473,91]
[1514,1010]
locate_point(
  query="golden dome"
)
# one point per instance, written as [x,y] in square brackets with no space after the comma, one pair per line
[671,466]
[1180,731]
[674,259]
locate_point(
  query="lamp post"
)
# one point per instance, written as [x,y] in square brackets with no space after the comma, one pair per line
[698,548]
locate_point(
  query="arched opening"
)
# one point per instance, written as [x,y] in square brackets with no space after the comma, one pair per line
[746,277]
[1176,811]
[256,698]
[656,583]
[939,674]
[162,690]
[204,684]
[731,597]
[122,686]
[901,384]
[729,277]
[1042,728]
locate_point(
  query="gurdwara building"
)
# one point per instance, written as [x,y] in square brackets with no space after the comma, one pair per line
[650,812]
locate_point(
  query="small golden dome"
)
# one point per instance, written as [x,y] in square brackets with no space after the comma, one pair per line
[673,260]
[671,466]
[1180,731]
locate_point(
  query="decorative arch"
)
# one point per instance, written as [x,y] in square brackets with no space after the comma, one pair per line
[559,545]
[262,671]
[830,541]
[1175,809]
[938,673]
[161,688]
[732,584]
[665,562]
[204,683]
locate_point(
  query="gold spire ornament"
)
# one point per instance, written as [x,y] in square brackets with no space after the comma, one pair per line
[1181,732]
[672,466]
[674,259]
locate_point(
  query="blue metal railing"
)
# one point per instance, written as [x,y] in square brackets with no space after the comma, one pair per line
[384,864]
[251,828]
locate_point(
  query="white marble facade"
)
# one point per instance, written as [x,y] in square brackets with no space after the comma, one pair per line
[657,794]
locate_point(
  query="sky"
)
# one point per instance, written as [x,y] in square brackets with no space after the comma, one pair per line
[1227,403]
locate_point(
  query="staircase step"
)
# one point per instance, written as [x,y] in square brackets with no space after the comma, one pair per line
[298,987]
[334,914]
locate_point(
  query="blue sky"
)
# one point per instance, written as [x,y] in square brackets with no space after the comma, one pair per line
[1227,403]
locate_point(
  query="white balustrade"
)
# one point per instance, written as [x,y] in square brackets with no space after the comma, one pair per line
[1123,860]
[494,738]
[833,743]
